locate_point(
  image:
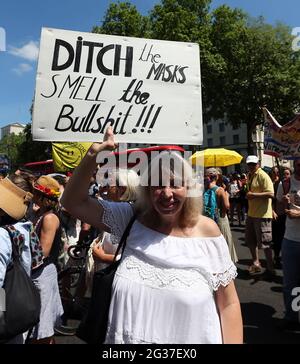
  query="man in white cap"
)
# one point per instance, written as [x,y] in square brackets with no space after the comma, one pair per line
[259,221]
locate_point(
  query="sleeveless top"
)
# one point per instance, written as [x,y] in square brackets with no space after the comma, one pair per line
[210,203]
[57,243]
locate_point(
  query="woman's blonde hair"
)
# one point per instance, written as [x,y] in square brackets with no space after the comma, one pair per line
[170,165]
[123,178]
[129,179]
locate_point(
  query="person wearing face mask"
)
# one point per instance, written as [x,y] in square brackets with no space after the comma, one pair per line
[174,283]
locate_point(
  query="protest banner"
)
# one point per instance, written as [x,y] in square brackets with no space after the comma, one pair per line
[148,90]
[281,141]
[67,156]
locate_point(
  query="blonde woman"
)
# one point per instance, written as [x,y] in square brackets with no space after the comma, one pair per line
[122,186]
[174,283]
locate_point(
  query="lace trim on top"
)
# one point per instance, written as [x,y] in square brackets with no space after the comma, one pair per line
[223,279]
[108,220]
[137,270]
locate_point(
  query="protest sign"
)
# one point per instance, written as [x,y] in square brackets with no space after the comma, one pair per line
[281,141]
[67,156]
[148,90]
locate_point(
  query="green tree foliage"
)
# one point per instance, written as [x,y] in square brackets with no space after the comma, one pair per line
[189,21]
[180,20]
[245,63]
[10,145]
[30,150]
[123,19]
[260,69]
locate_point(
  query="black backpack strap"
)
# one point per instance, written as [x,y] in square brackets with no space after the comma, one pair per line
[123,240]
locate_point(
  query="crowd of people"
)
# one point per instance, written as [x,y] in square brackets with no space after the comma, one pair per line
[272,205]
[175,281]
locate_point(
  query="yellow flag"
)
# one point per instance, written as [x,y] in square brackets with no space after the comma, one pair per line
[67,156]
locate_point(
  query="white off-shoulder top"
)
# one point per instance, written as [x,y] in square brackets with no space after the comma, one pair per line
[163,290]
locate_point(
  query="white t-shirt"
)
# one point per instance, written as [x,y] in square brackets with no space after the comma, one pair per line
[292,231]
[233,190]
[163,290]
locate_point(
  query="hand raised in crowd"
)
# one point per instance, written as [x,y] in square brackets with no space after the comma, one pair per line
[107,144]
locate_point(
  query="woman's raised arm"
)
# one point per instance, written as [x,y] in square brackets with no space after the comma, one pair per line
[75,197]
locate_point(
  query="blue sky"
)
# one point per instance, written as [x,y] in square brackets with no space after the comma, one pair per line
[23,20]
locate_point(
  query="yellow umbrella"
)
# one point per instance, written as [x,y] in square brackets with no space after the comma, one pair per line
[216,157]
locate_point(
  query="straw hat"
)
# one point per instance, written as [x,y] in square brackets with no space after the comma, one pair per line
[48,186]
[13,200]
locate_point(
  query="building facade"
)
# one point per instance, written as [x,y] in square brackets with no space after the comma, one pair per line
[221,134]
[14,128]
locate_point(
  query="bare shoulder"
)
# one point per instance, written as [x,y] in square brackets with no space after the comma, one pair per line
[207,227]
[220,191]
[50,219]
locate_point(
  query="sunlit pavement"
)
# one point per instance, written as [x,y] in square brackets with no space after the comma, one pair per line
[261,300]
